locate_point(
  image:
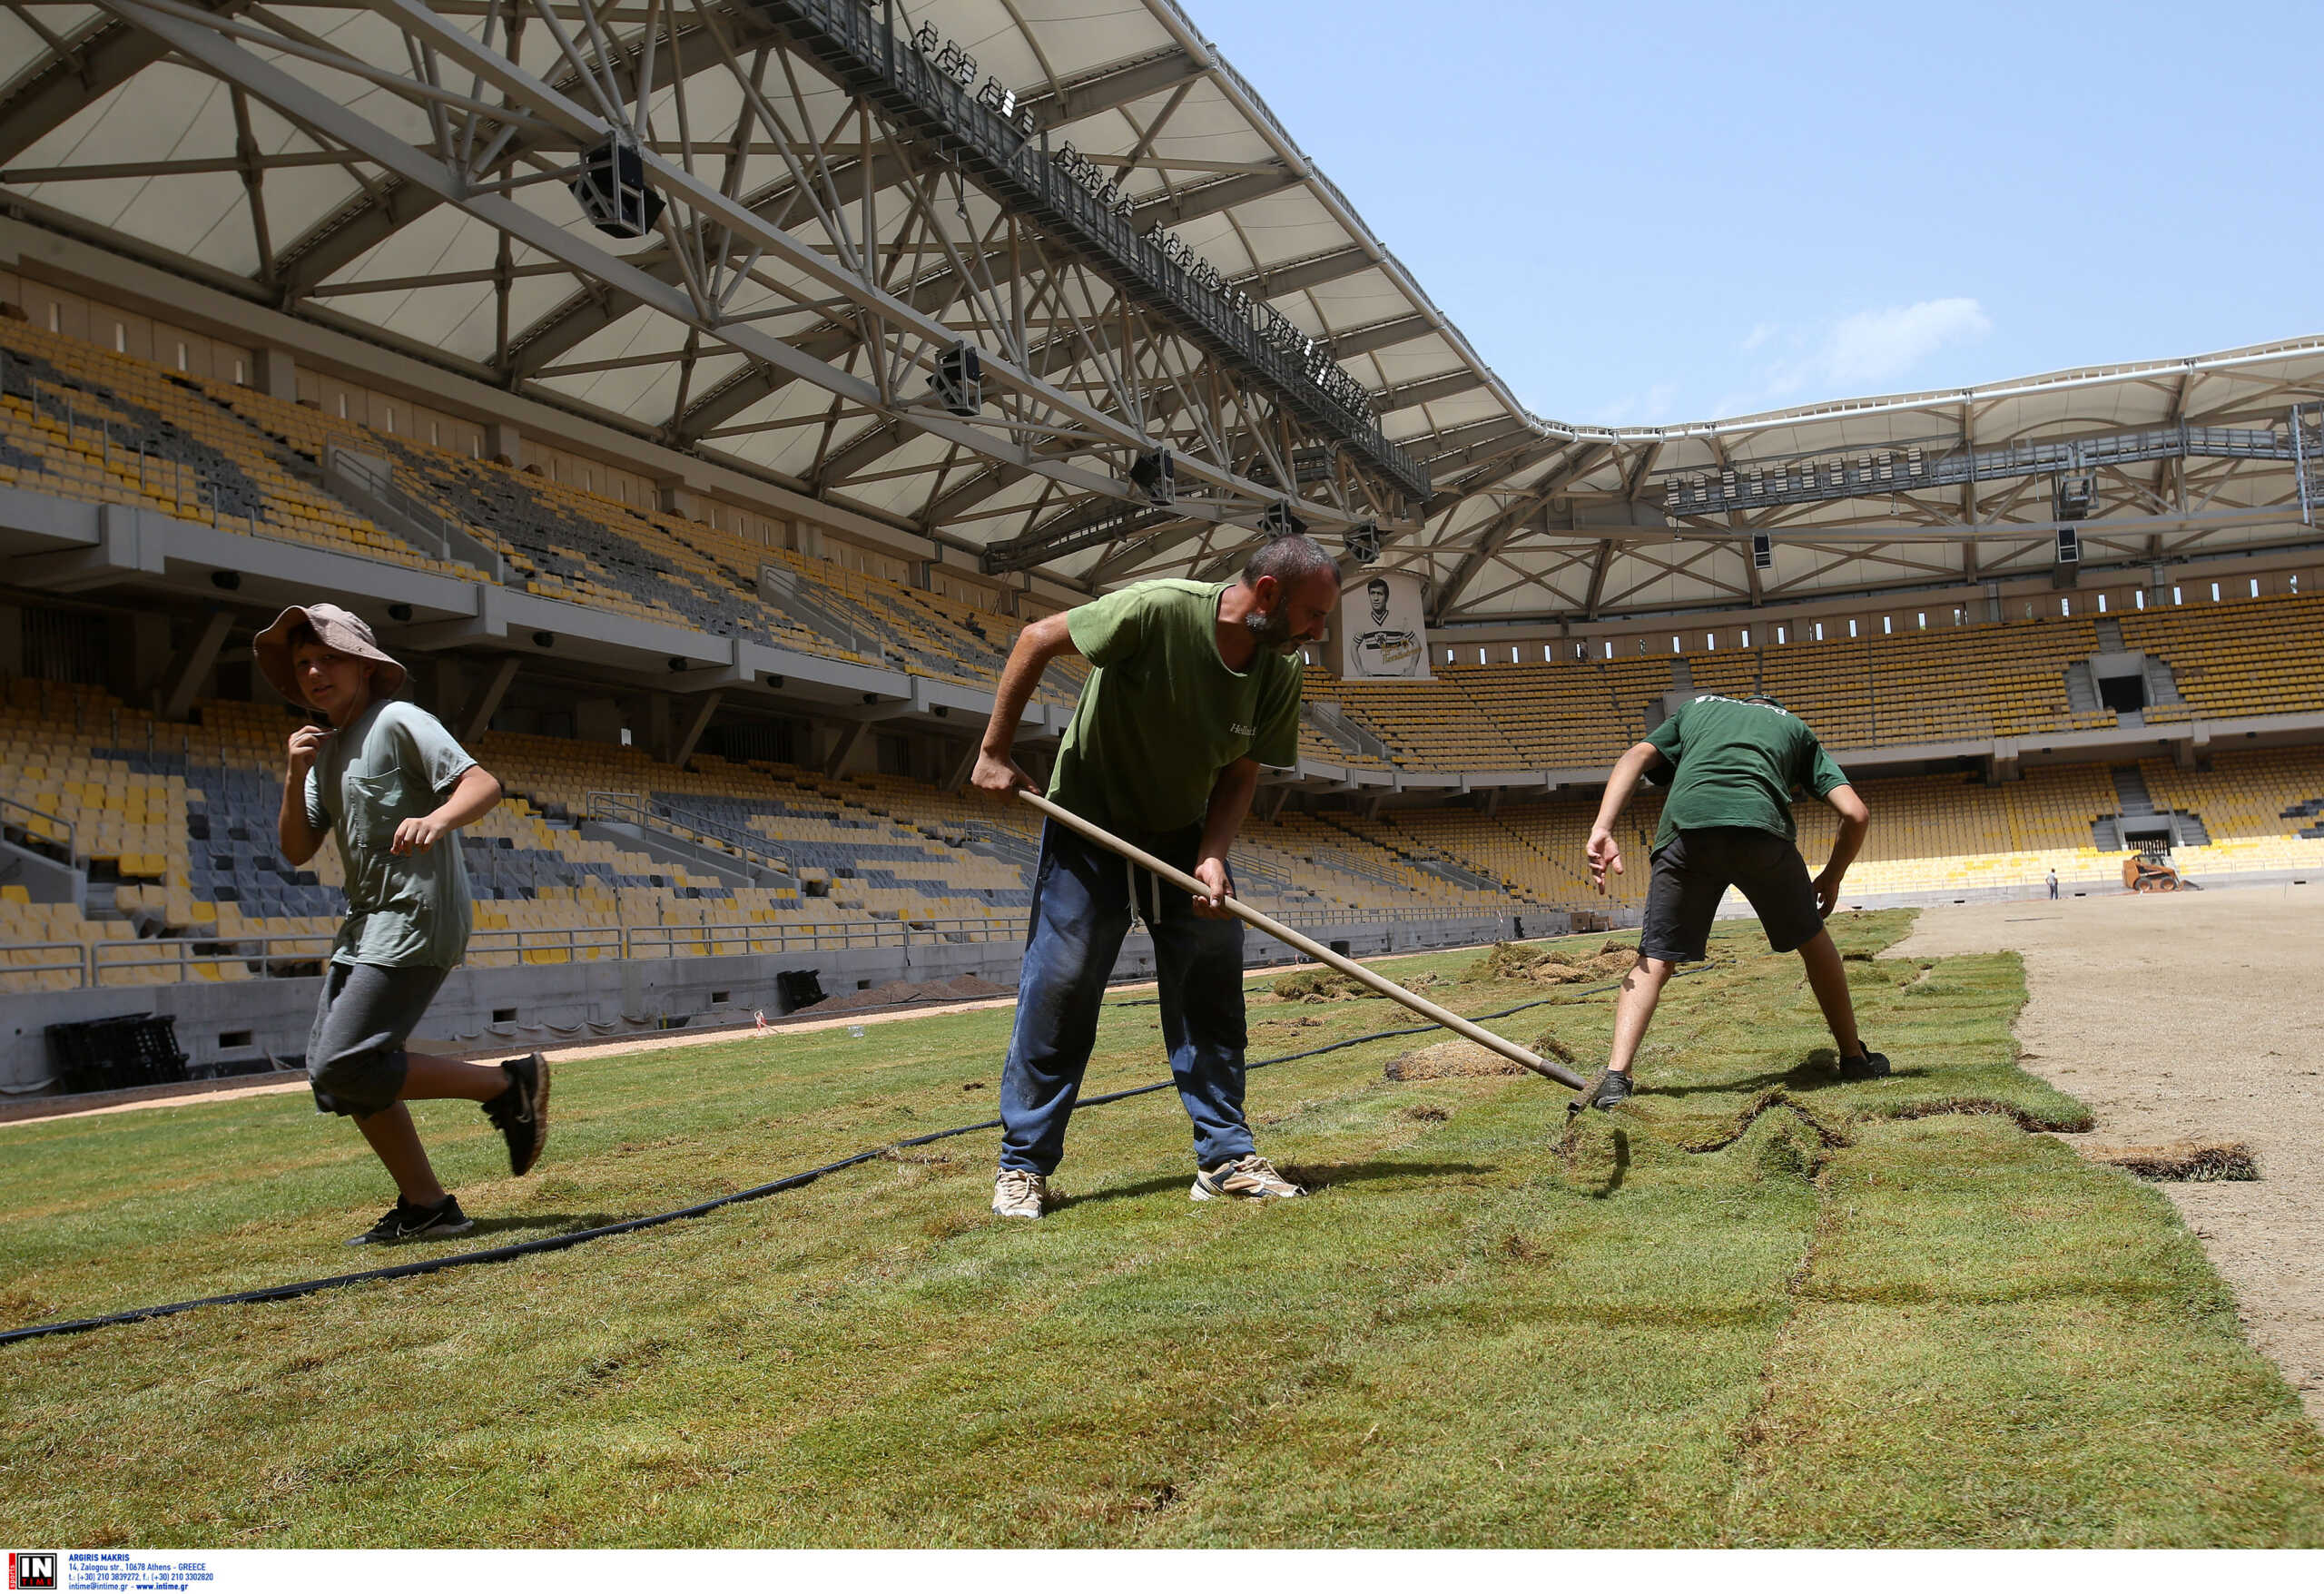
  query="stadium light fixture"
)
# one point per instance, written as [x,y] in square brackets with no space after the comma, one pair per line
[612,190]
[1155,476]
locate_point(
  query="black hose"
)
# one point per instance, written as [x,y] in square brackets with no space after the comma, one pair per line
[631,1225]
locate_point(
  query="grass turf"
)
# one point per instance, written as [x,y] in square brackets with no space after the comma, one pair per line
[1755,1306]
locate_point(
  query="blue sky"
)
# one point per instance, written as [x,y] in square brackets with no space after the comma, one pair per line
[1653,213]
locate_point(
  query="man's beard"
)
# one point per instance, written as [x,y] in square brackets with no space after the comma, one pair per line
[1272,631]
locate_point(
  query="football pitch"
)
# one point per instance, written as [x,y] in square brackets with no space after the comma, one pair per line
[1755,1306]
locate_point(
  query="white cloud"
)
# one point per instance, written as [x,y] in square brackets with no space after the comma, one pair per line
[1880,345]
[1634,409]
[1866,352]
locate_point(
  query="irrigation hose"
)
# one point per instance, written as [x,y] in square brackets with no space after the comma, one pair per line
[631,1225]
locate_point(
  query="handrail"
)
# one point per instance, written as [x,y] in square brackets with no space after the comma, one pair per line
[71,832]
[103,965]
[645,810]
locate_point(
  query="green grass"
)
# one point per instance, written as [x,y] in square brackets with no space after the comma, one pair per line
[1846,1324]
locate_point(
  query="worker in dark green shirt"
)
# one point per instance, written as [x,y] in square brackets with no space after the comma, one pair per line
[1731,765]
[1196,687]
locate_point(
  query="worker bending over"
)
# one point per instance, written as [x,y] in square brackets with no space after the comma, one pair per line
[1731,765]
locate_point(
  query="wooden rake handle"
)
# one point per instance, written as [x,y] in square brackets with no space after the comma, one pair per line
[1316,949]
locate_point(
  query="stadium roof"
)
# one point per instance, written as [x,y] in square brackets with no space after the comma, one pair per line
[843,206]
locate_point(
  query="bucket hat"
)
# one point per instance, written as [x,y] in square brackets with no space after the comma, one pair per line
[336,630]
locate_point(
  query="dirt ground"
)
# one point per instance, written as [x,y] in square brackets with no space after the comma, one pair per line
[2194,1016]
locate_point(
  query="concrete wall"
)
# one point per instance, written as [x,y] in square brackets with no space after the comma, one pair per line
[554,1004]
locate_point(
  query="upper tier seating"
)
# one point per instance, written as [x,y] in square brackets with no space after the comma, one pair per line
[78,422]
[1971,683]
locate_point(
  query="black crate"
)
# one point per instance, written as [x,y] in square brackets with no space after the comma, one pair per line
[117,1054]
[797,987]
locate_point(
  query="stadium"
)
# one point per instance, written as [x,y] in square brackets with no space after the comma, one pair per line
[699,401]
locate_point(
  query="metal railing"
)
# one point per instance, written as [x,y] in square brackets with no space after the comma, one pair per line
[368,482]
[190,959]
[1872,472]
[857,43]
[25,817]
[653,813]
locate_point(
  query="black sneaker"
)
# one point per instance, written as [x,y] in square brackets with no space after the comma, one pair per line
[1613,1090]
[521,1112]
[1870,1066]
[408,1220]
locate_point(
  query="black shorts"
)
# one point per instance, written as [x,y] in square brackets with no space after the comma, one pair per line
[1693,872]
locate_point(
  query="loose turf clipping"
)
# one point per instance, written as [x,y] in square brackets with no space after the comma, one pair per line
[2198,1160]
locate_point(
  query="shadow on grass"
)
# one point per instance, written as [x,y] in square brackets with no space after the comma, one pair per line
[518,1225]
[1312,1177]
[1819,1072]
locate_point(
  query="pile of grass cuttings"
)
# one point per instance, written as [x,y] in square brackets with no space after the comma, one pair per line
[1318,985]
[2199,1161]
[1456,1059]
[1557,964]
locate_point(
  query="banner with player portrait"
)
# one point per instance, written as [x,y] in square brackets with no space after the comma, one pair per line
[1380,634]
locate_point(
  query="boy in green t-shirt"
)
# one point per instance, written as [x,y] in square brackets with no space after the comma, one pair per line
[1731,765]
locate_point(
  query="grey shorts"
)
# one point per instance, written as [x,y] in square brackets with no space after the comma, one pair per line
[355,1057]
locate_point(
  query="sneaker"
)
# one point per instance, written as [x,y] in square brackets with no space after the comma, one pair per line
[1870,1066]
[521,1112]
[1018,1194]
[1252,1178]
[408,1220]
[1613,1090]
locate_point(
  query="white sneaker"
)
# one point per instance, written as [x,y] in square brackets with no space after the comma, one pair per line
[1253,1178]
[1018,1194]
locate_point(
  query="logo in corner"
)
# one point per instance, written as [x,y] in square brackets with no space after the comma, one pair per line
[32,1568]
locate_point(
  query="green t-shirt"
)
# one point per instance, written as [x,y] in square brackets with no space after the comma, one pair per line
[1162,714]
[396,762]
[1736,763]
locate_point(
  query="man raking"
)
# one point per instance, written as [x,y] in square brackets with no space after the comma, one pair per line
[1196,686]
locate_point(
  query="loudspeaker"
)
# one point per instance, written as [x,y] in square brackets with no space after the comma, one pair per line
[1279,521]
[1155,476]
[1364,542]
[1763,551]
[613,192]
[2069,545]
[959,383]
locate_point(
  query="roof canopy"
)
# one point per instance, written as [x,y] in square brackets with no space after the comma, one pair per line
[1108,215]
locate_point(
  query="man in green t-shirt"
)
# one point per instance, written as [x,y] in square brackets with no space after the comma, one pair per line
[1196,686]
[1731,765]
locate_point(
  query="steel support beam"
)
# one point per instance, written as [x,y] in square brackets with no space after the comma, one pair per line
[303,102]
[177,698]
[476,719]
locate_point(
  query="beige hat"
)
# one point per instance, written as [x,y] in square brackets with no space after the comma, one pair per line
[336,630]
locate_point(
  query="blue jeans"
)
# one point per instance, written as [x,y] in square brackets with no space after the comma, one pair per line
[1081,911]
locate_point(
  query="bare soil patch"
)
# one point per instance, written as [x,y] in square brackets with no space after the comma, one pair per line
[2191,1018]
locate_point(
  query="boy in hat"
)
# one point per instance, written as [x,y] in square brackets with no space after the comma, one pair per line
[387,779]
[1731,765]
